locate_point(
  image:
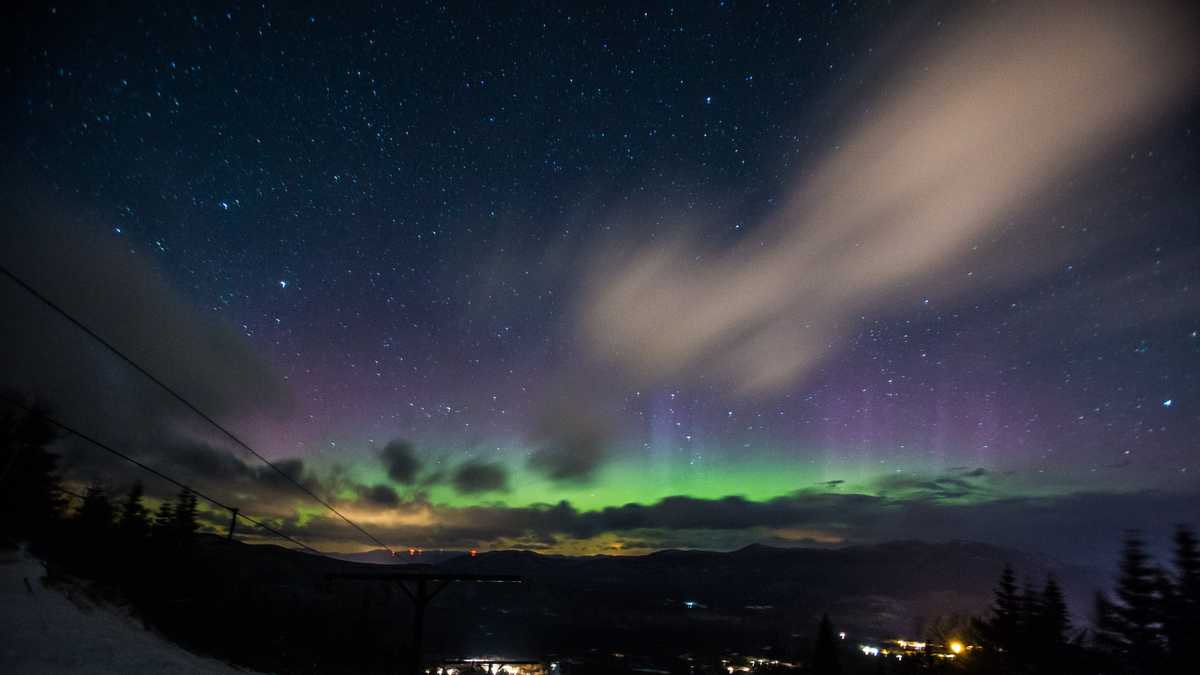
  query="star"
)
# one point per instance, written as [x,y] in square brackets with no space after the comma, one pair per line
[442,249]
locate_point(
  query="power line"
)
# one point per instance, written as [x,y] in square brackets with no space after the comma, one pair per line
[103,446]
[70,493]
[179,397]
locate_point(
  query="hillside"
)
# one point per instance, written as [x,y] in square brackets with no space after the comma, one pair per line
[279,610]
[61,630]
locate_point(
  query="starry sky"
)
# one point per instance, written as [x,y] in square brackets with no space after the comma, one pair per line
[595,278]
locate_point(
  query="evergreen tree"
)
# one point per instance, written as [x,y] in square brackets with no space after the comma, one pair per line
[185,515]
[96,514]
[1055,620]
[1027,620]
[164,522]
[134,523]
[1001,631]
[30,497]
[1129,626]
[92,547]
[1183,607]
[1050,627]
[825,653]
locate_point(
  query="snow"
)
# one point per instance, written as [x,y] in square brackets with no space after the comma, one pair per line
[44,630]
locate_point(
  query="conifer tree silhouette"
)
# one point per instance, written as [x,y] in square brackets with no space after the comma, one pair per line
[134,523]
[1182,621]
[30,496]
[164,522]
[96,514]
[1129,626]
[825,653]
[1001,631]
[1050,629]
[185,523]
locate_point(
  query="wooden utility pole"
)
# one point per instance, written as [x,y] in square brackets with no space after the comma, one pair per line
[421,588]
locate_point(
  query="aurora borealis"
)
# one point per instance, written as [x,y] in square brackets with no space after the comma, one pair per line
[609,280]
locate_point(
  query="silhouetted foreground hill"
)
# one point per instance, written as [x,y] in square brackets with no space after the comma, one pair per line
[881,590]
[275,609]
[61,629]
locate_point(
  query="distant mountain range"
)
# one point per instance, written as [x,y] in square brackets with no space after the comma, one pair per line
[276,609]
[883,589]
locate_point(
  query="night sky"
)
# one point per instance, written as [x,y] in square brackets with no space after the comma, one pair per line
[603,279]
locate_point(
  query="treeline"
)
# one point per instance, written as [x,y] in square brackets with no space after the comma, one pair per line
[128,552]
[257,609]
[34,505]
[153,560]
[130,523]
[1029,629]
[1152,619]
[104,538]
[1147,625]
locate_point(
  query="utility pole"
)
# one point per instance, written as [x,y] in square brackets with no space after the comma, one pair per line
[421,588]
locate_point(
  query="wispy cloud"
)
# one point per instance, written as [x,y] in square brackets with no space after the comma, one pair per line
[971,130]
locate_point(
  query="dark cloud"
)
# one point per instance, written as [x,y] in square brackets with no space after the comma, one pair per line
[573,445]
[400,459]
[292,469]
[203,463]
[117,291]
[379,495]
[430,478]
[475,477]
[734,512]
[1080,527]
[252,486]
[199,460]
[568,462]
[959,483]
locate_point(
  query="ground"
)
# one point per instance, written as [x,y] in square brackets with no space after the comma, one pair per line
[60,630]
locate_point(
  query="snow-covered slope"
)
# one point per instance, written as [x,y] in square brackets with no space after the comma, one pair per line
[44,631]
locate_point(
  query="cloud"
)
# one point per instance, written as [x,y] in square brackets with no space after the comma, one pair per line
[573,444]
[970,131]
[400,459]
[475,477]
[958,483]
[1080,527]
[380,495]
[121,295]
[249,484]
